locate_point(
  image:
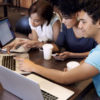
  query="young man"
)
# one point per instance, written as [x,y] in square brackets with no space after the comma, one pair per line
[89,23]
[70,38]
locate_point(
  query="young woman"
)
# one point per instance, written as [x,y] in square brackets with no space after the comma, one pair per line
[45,25]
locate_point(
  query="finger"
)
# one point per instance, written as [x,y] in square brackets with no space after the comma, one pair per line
[61,54]
[8,49]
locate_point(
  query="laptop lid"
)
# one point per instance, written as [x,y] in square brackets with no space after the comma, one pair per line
[6,33]
[19,85]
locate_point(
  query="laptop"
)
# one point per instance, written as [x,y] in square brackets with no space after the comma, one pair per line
[8,61]
[6,33]
[6,36]
[27,88]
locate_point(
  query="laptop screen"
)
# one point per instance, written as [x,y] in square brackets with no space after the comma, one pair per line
[6,33]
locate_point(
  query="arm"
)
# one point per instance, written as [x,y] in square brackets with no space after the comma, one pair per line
[78,55]
[33,36]
[84,71]
[34,43]
[65,55]
[17,42]
[56,29]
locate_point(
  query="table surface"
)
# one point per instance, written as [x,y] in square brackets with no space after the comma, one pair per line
[37,57]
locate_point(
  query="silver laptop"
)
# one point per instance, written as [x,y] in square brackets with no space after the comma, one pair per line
[27,88]
[8,61]
[19,85]
[6,36]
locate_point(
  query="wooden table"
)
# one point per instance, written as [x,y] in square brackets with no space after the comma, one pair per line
[37,57]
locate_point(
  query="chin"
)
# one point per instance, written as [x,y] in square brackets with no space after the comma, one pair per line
[68,27]
[85,36]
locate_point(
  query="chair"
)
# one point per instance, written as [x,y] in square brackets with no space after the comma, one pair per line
[22,26]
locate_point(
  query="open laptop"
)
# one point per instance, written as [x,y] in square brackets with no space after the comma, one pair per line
[6,33]
[6,36]
[27,88]
[8,61]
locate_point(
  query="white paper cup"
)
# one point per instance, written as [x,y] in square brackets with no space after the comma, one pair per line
[72,64]
[47,51]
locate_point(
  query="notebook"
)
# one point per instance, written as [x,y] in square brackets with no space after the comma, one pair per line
[8,61]
[27,88]
[6,33]
[7,36]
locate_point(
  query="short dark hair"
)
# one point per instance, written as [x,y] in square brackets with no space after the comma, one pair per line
[69,7]
[54,2]
[92,8]
[43,8]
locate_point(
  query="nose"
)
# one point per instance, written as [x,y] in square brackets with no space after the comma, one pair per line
[80,25]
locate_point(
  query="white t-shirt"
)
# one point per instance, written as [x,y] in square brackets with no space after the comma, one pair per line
[45,32]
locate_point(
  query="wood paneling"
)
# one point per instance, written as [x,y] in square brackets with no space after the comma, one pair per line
[1,0]
[26,3]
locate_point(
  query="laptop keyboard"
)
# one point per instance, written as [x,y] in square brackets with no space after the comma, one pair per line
[9,62]
[48,96]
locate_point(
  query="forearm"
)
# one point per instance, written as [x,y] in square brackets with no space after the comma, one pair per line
[83,72]
[78,55]
[56,75]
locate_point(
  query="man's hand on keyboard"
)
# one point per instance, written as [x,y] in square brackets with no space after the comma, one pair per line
[25,64]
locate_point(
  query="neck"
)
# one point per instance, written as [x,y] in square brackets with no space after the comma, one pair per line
[97,37]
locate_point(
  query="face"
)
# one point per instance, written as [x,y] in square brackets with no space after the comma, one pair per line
[69,22]
[86,25]
[36,20]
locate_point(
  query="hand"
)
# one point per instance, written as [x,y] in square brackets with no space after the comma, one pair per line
[33,44]
[62,56]
[17,42]
[25,64]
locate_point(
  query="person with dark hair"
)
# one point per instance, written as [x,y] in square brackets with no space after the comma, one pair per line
[55,5]
[45,25]
[89,23]
[71,37]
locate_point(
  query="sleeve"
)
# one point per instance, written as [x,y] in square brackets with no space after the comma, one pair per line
[94,59]
[60,42]
[54,19]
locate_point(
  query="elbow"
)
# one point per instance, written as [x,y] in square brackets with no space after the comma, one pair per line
[65,80]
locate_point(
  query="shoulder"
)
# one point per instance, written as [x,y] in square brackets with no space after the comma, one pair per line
[54,19]
[94,57]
